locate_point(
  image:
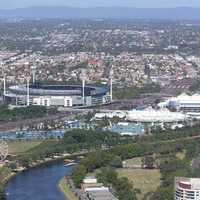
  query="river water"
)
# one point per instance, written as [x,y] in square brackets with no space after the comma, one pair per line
[39,183]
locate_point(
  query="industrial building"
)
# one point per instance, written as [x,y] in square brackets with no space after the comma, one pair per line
[57,95]
[187,188]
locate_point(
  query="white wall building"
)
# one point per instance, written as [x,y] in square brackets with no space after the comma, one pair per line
[183,102]
[187,188]
[120,114]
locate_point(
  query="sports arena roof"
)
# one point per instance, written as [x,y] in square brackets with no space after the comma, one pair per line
[183,100]
[185,97]
[151,115]
[57,90]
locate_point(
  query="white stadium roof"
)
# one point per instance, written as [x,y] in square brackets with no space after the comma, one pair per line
[151,115]
[185,97]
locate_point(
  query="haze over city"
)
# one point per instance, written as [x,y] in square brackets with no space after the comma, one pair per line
[99,99]
[97,3]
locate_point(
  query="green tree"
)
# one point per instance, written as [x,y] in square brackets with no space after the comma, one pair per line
[2,195]
[148,162]
[107,175]
[116,162]
[12,165]
[78,175]
[124,189]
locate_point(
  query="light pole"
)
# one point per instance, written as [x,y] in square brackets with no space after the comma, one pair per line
[34,68]
[28,91]
[4,84]
[4,79]
[111,84]
[83,76]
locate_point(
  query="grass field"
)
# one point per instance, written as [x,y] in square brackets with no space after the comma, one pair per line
[19,147]
[66,190]
[137,161]
[143,179]
[181,155]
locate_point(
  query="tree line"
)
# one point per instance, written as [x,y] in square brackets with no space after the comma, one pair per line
[169,165]
[17,114]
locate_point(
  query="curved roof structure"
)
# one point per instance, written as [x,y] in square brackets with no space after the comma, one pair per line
[57,90]
[150,115]
[186,98]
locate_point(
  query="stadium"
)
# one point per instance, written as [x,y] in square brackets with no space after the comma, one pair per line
[57,95]
[183,102]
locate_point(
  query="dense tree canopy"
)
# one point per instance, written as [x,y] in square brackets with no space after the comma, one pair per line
[22,113]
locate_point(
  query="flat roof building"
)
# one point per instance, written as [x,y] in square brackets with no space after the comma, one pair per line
[100,195]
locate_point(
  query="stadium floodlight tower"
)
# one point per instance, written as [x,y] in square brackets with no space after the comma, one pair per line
[28,91]
[111,83]
[34,69]
[4,77]
[83,77]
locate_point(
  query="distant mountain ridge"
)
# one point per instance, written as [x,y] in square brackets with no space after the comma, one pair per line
[104,12]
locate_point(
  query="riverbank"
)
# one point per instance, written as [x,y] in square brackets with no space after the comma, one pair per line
[38,183]
[65,189]
[40,163]
[5,175]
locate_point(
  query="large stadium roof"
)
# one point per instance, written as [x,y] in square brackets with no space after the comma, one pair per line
[151,115]
[59,90]
[185,97]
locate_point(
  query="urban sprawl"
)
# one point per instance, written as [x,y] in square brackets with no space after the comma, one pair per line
[117,99]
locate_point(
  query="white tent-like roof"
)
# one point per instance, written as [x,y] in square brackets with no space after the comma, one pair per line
[151,115]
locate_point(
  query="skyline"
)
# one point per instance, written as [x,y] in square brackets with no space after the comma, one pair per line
[11,4]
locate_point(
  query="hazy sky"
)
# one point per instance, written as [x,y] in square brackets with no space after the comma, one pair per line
[92,3]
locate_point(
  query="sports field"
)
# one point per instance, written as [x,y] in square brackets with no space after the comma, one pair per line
[144,179]
[20,147]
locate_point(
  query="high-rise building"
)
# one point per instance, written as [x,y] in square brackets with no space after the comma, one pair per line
[187,188]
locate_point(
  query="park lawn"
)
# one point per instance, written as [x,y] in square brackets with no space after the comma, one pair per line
[144,179]
[66,190]
[20,147]
[134,161]
[181,155]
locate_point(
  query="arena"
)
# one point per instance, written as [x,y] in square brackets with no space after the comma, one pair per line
[57,95]
[183,102]
[152,116]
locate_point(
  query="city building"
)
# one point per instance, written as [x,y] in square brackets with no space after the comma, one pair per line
[100,194]
[57,95]
[183,102]
[110,115]
[187,188]
[96,191]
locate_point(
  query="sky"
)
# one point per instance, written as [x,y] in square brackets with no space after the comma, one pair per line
[96,3]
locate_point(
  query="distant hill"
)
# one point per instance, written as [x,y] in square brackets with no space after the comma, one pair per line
[104,12]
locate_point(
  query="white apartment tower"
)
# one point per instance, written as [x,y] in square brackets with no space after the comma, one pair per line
[187,188]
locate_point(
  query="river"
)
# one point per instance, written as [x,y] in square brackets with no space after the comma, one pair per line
[39,183]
